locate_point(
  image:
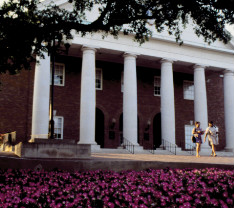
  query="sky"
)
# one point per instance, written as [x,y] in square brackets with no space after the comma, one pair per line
[228,27]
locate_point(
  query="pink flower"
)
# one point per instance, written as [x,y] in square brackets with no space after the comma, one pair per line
[198,201]
[230,201]
[225,194]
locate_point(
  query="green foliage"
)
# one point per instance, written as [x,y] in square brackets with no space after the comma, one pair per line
[26,30]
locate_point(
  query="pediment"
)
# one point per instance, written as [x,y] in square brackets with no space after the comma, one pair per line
[190,38]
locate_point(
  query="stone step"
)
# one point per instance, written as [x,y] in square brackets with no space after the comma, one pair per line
[109,150]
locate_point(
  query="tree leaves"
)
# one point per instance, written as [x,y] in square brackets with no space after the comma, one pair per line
[26,30]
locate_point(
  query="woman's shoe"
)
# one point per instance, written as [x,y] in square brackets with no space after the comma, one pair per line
[215,155]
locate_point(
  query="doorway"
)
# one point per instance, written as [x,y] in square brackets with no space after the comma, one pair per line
[99,128]
[157,130]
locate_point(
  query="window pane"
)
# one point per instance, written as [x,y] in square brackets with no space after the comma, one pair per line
[59,74]
[188,133]
[58,127]
[122,81]
[99,79]
[188,90]
[157,86]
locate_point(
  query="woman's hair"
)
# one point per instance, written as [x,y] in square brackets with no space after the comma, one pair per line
[197,122]
[211,122]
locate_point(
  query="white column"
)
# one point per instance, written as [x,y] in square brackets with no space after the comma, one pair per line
[88,97]
[130,99]
[229,109]
[41,99]
[167,102]
[200,99]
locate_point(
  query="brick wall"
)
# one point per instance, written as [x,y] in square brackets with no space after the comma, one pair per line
[16,102]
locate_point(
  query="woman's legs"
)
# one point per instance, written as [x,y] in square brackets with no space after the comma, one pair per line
[198,149]
[213,150]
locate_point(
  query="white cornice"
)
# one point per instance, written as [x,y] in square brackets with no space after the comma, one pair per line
[57,2]
[194,44]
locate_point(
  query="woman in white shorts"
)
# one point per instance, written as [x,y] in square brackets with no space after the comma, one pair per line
[212,137]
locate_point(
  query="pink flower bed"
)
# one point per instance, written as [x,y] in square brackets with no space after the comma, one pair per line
[150,188]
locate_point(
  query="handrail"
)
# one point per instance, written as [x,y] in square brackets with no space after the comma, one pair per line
[9,138]
[191,150]
[152,149]
[166,145]
[128,145]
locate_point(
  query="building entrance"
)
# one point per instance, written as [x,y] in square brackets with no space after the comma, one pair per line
[99,128]
[157,130]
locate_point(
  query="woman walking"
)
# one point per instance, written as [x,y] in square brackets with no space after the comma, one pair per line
[212,137]
[197,132]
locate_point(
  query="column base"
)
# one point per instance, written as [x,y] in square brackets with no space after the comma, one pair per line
[138,149]
[35,139]
[94,146]
[38,136]
[228,149]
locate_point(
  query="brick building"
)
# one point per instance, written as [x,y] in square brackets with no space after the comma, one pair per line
[110,89]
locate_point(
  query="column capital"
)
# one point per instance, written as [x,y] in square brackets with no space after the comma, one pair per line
[197,66]
[88,47]
[167,60]
[129,54]
[228,71]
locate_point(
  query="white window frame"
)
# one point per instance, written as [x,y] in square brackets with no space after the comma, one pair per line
[63,74]
[188,90]
[157,83]
[101,79]
[55,125]
[187,136]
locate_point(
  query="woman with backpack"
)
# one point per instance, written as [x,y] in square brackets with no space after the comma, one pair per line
[197,132]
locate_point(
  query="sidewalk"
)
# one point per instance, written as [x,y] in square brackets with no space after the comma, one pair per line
[117,162]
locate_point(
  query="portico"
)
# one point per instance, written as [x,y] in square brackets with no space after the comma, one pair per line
[167,61]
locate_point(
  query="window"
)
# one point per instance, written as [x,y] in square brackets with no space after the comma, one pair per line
[98,79]
[157,86]
[122,81]
[59,74]
[58,127]
[188,133]
[188,90]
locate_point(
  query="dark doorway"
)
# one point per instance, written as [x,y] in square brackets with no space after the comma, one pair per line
[157,130]
[99,128]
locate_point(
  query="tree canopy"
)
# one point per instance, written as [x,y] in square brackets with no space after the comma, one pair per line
[28,29]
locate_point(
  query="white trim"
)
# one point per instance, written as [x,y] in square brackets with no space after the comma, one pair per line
[188,43]
[56,2]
